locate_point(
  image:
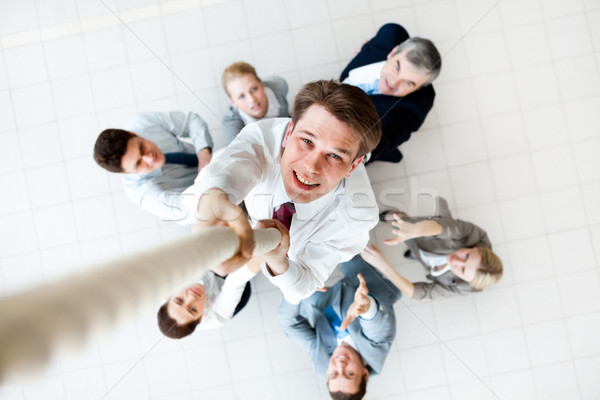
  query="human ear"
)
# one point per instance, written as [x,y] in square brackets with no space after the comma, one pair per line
[355,164]
[288,132]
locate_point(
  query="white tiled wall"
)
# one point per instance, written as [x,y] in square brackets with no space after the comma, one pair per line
[512,142]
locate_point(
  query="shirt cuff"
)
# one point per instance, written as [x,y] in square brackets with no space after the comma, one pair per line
[288,278]
[372,311]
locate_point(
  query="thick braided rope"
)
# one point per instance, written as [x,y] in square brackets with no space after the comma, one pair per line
[55,320]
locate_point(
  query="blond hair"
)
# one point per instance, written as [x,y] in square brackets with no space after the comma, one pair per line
[236,70]
[489,271]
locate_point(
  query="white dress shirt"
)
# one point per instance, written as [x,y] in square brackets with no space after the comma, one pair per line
[365,74]
[159,192]
[325,232]
[222,296]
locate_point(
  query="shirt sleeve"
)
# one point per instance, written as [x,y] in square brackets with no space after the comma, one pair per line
[317,261]
[237,169]
[432,290]
[188,125]
[460,231]
[296,327]
[372,311]
[150,196]
[231,293]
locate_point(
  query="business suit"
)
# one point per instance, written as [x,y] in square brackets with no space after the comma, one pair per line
[306,324]
[456,234]
[400,116]
[232,121]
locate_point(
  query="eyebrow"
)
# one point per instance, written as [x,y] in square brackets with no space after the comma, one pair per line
[139,161]
[337,149]
[399,68]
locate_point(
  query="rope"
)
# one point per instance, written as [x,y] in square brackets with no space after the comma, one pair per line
[55,320]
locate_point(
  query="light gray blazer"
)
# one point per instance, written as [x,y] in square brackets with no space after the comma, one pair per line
[306,324]
[456,235]
[232,121]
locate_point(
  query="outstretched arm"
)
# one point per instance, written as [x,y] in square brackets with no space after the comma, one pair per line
[405,230]
[373,256]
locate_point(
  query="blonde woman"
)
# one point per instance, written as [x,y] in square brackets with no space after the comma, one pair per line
[456,255]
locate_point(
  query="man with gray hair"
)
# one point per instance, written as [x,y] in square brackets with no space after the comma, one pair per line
[396,72]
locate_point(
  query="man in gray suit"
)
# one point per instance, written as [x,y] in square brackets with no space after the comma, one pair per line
[347,330]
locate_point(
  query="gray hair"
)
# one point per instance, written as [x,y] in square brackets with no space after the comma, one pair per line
[423,55]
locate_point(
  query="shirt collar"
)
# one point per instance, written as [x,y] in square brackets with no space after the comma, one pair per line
[304,211]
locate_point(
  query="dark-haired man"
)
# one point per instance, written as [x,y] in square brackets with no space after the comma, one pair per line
[152,180]
[347,330]
[307,173]
[396,72]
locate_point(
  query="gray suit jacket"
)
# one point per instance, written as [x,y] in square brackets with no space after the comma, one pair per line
[456,235]
[232,121]
[306,324]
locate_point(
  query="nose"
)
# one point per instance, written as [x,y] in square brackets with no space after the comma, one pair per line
[312,162]
[147,158]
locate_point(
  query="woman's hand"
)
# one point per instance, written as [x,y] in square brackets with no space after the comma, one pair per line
[375,257]
[403,231]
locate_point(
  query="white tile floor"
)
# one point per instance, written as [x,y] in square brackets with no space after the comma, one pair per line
[511,142]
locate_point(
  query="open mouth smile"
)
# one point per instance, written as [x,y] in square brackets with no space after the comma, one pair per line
[304,182]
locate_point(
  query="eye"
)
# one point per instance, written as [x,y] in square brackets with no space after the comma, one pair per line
[241,97]
[307,141]
[178,300]
[193,309]
[350,374]
[467,257]
[254,89]
[333,375]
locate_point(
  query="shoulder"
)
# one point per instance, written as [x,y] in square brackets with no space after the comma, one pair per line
[267,132]
[277,84]
[231,113]
[360,205]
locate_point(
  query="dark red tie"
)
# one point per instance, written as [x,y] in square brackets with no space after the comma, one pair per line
[284,214]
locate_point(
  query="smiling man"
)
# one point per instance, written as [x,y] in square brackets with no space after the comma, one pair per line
[396,72]
[307,172]
[153,180]
[347,330]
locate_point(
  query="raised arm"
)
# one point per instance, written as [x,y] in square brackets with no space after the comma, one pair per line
[405,230]
[375,257]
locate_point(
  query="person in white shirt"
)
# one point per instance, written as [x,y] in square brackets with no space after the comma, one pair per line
[251,98]
[155,161]
[208,303]
[313,161]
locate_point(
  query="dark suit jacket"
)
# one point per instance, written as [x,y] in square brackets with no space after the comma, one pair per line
[306,324]
[400,116]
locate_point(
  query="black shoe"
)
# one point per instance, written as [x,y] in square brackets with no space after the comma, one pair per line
[408,254]
[382,216]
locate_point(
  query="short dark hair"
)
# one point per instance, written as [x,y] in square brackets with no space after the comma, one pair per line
[423,55]
[110,147]
[169,326]
[348,104]
[362,390]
